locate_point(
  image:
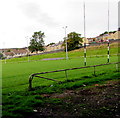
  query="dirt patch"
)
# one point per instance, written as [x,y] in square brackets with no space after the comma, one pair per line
[95,102]
[53,58]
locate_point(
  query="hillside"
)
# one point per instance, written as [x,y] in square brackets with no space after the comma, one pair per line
[86,93]
[99,100]
[94,50]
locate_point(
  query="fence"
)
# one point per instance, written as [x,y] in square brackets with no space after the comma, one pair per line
[94,72]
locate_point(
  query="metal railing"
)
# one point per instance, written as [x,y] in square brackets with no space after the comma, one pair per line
[94,72]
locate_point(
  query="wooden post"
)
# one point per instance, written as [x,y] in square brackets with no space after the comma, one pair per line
[66,74]
[94,71]
[117,67]
[30,82]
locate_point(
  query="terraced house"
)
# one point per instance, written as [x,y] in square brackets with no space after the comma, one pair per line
[105,37]
[10,53]
[54,47]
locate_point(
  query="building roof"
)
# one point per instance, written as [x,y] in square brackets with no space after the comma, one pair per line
[19,51]
[8,53]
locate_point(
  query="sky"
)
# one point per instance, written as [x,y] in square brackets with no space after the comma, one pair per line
[21,18]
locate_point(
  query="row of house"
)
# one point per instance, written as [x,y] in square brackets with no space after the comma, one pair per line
[105,37]
[101,38]
[55,47]
[11,53]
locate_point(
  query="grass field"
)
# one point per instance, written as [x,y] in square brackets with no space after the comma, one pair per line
[92,51]
[15,77]
[18,73]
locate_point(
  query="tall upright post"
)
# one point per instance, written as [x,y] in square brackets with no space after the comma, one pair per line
[27,49]
[66,43]
[5,51]
[84,37]
[108,60]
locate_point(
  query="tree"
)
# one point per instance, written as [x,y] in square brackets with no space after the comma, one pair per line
[50,44]
[74,41]
[1,55]
[8,50]
[103,33]
[37,42]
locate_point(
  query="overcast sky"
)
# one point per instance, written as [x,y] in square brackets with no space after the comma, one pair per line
[21,18]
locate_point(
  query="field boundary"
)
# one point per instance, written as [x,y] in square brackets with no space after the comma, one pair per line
[94,72]
[90,56]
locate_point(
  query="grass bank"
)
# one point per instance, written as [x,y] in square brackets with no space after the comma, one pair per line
[100,50]
[18,102]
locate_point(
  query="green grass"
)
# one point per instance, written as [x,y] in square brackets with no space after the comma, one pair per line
[19,102]
[15,76]
[91,51]
[22,103]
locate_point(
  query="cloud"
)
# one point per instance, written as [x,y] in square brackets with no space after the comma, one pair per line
[20,18]
[33,11]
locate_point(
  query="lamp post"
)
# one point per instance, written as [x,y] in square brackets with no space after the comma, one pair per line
[27,48]
[5,51]
[66,43]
